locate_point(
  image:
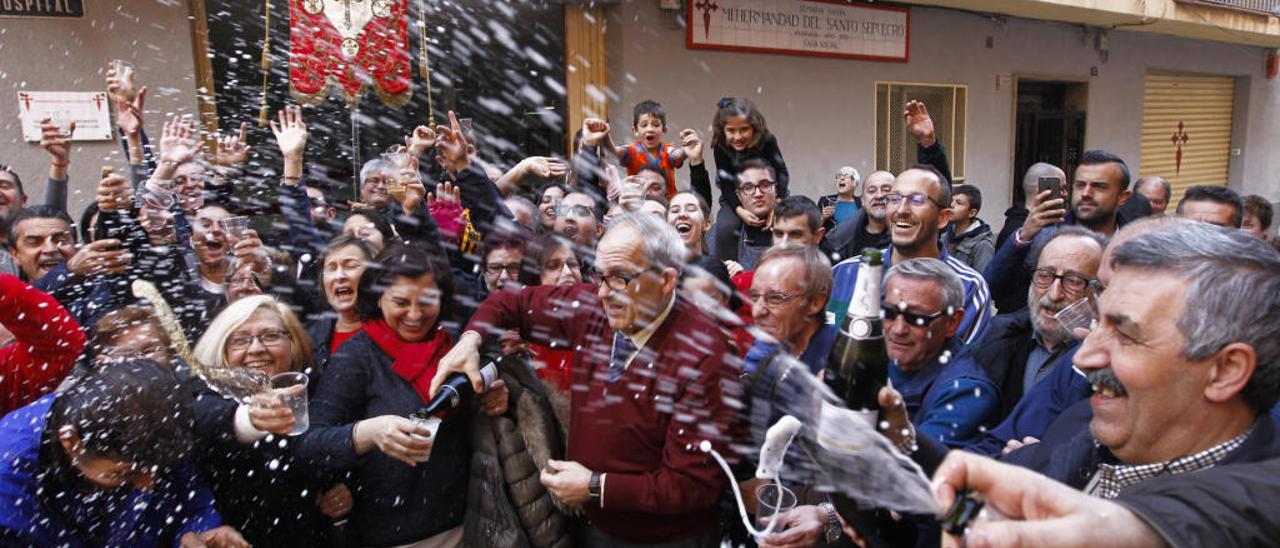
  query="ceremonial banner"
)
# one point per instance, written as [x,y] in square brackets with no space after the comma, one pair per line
[823,28]
[349,43]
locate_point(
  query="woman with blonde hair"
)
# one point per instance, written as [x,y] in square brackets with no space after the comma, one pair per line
[272,497]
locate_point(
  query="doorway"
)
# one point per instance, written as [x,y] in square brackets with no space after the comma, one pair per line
[1050,118]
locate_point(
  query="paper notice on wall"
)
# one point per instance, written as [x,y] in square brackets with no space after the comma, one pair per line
[90,110]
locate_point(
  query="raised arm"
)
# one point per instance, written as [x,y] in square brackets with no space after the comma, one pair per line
[58,145]
[47,341]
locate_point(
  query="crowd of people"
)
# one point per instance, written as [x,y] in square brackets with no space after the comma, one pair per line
[634,327]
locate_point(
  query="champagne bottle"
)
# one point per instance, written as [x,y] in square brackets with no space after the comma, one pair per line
[456,388]
[858,365]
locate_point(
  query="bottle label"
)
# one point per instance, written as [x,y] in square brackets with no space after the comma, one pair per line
[489,373]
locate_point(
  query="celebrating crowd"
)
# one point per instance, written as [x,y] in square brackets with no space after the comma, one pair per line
[635,329]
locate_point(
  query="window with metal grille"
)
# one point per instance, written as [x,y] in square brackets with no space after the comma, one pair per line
[1269,7]
[948,105]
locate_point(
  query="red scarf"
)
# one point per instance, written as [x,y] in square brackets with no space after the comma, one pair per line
[415,362]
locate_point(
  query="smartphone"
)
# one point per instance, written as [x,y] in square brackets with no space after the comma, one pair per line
[1053,185]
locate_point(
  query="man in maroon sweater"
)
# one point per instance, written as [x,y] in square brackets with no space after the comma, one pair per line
[638,416]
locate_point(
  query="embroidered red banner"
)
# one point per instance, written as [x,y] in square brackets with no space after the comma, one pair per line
[349,43]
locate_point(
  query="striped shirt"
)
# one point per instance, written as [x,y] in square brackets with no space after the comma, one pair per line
[977,297]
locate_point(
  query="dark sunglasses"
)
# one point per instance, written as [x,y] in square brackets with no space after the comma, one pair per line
[891,313]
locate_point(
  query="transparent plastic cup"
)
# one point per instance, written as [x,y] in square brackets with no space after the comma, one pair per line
[1077,319]
[772,500]
[431,425]
[291,388]
[123,68]
[234,227]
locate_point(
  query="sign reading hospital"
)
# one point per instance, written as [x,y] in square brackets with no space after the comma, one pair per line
[800,27]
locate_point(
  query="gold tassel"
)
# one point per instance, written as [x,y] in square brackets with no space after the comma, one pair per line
[266,65]
[423,69]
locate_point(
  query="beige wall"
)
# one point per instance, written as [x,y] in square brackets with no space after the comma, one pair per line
[822,110]
[71,55]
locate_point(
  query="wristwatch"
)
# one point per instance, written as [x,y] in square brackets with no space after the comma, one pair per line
[593,488]
[832,531]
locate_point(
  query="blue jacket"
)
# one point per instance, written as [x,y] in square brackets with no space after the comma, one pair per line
[951,399]
[814,356]
[1069,454]
[977,306]
[1063,387]
[43,502]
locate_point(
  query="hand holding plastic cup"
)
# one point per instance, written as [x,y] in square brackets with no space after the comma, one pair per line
[234,227]
[431,425]
[772,501]
[292,391]
[1077,319]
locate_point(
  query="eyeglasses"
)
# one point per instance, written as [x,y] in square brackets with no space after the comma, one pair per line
[916,198]
[575,210]
[194,178]
[242,341]
[891,313]
[555,265]
[496,269]
[771,300]
[618,282]
[764,187]
[1043,278]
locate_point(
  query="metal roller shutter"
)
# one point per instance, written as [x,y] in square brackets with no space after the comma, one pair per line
[1187,116]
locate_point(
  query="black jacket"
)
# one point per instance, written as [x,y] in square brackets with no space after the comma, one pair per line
[262,489]
[1013,219]
[1003,354]
[1232,505]
[1069,454]
[394,502]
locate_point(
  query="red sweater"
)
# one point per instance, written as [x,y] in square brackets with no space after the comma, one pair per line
[643,430]
[47,341]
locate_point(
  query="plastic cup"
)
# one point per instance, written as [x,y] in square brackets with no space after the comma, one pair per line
[234,227]
[292,390]
[772,500]
[431,425]
[123,68]
[1077,319]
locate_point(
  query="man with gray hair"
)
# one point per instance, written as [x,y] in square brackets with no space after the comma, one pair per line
[947,395]
[650,383]
[789,292]
[840,207]
[1184,364]
[1157,190]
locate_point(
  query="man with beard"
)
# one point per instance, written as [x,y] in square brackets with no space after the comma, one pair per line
[1184,364]
[869,226]
[1022,346]
[1101,186]
[919,208]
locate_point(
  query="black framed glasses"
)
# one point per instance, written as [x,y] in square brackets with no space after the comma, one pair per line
[1043,278]
[554,265]
[496,269]
[916,199]
[891,313]
[764,187]
[772,299]
[618,282]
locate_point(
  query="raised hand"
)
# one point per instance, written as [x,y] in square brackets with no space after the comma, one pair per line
[445,192]
[919,124]
[129,113]
[120,87]
[55,142]
[290,132]
[113,191]
[232,149]
[179,141]
[691,143]
[546,167]
[99,257]
[594,131]
[249,250]
[1044,212]
[421,140]
[453,145]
